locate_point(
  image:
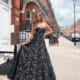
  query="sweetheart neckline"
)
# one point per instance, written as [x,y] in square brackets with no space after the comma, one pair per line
[41,28]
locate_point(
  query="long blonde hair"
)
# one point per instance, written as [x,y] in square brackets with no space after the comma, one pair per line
[35,22]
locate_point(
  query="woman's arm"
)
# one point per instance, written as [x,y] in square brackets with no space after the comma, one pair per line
[49,30]
[30,36]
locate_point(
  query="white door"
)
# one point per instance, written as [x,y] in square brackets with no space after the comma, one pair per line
[5,29]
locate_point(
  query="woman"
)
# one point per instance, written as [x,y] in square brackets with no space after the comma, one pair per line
[34,62]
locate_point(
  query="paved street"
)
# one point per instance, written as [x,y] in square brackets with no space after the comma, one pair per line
[65,59]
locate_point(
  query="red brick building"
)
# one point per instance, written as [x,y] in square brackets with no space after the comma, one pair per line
[23,14]
[70,30]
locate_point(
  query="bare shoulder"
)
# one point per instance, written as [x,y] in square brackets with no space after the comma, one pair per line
[45,24]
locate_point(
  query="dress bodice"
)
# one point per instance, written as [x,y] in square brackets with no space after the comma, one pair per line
[39,34]
[40,31]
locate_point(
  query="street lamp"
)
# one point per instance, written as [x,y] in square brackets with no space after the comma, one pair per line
[74,24]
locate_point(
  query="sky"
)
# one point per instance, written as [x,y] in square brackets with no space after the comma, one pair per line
[64,11]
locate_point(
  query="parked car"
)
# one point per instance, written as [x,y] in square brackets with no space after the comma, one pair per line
[53,38]
[75,37]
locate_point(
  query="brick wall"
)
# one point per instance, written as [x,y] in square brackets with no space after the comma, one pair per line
[15,19]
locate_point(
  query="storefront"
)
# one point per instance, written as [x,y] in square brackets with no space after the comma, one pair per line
[5,25]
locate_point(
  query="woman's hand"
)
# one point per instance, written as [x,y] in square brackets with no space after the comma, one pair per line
[28,39]
[24,43]
[30,36]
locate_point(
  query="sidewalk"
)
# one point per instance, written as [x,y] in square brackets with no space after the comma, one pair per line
[66,60]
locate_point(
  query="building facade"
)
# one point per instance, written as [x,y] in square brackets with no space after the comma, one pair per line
[70,30]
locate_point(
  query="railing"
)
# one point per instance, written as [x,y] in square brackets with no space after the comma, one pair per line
[25,28]
[22,36]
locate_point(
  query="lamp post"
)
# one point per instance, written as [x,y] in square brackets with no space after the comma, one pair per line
[74,25]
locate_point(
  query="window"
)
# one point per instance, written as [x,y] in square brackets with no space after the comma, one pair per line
[28,14]
[6,1]
[28,19]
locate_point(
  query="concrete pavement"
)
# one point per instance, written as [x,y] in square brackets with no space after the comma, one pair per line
[65,59]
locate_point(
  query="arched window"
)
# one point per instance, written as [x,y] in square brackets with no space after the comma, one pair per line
[28,19]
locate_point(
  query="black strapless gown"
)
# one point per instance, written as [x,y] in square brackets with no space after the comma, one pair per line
[34,62]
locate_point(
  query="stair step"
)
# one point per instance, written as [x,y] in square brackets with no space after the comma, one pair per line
[2,60]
